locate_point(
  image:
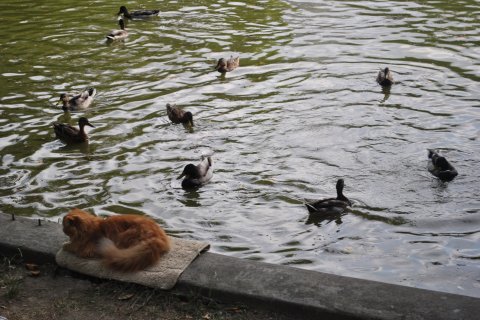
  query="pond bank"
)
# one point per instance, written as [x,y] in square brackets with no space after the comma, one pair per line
[305,293]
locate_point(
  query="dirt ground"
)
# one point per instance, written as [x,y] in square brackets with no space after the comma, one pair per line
[28,291]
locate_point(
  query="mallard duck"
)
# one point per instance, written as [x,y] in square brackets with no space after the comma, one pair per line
[79,101]
[177,115]
[227,65]
[70,134]
[118,34]
[137,14]
[332,205]
[197,175]
[385,77]
[440,167]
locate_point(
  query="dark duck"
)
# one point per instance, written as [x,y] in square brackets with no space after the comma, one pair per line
[331,205]
[137,14]
[440,167]
[69,134]
[177,115]
[385,77]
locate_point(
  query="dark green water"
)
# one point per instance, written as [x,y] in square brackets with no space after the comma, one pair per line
[302,111]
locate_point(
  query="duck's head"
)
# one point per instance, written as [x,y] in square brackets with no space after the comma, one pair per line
[82,122]
[386,71]
[123,10]
[189,116]
[64,98]
[190,171]
[221,64]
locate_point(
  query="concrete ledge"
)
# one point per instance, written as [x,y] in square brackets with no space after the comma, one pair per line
[305,294]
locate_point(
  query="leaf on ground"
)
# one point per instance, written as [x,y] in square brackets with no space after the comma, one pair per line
[31,266]
[126,296]
[34,273]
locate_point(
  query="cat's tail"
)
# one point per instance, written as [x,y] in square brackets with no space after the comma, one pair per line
[135,258]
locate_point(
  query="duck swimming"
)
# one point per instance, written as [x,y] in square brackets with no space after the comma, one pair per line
[69,134]
[440,167]
[385,77]
[118,34]
[79,101]
[332,205]
[177,115]
[137,14]
[231,64]
[197,175]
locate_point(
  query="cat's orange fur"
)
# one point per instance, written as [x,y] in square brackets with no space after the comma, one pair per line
[125,243]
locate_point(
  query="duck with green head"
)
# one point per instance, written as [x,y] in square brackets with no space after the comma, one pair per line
[331,205]
[118,34]
[137,14]
[70,134]
[197,175]
[77,102]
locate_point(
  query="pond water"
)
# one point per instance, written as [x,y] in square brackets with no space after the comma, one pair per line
[302,111]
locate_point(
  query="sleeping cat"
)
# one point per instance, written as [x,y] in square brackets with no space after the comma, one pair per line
[125,243]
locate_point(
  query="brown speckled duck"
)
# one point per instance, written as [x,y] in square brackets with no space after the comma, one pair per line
[69,134]
[177,115]
[79,101]
[231,64]
[331,205]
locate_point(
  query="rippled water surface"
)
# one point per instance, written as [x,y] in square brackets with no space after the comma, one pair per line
[302,111]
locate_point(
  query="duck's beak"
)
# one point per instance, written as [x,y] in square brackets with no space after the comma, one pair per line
[89,124]
[181,176]
[59,102]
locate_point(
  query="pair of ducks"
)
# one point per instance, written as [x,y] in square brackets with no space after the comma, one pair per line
[66,132]
[122,33]
[438,166]
[194,175]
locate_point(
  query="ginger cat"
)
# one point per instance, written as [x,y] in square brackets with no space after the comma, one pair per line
[125,243]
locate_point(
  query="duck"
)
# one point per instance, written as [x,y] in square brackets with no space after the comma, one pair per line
[177,115]
[197,175]
[440,167]
[228,65]
[70,134]
[137,14]
[79,101]
[331,205]
[118,34]
[385,77]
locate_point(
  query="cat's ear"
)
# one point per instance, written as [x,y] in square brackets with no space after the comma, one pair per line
[71,221]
